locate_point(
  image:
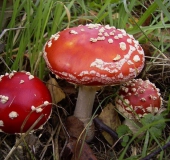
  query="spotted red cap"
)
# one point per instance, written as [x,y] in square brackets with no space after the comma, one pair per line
[23,99]
[94,54]
[137,98]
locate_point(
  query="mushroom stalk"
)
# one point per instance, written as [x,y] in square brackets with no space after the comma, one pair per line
[84,105]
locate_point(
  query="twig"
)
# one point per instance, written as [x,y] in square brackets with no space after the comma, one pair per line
[3,61]
[105,128]
[20,26]
[48,143]
[24,135]
[161,53]
[5,30]
[157,151]
[56,147]
[166,59]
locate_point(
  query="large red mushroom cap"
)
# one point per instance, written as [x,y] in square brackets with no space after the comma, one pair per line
[23,99]
[94,54]
[137,98]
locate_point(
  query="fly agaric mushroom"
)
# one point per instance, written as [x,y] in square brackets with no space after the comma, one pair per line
[23,99]
[93,55]
[137,98]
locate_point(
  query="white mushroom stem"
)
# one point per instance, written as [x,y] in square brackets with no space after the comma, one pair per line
[84,106]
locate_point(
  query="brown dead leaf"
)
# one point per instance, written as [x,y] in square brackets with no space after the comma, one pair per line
[110,117]
[76,129]
[74,126]
[55,90]
[78,150]
[69,88]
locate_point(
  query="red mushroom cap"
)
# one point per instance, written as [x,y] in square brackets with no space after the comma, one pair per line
[137,98]
[94,54]
[22,96]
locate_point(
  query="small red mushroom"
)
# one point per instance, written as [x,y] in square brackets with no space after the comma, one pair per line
[137,98]
[93,55]
[23,99]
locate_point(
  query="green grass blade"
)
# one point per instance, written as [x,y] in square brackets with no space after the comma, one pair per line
[18,63]
[146,14]
[163,8]
[145,146]
[168,104]
[102,14]
[125,13]
[2,13]
[110,14]
[57,15]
